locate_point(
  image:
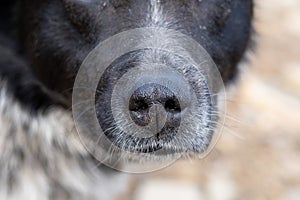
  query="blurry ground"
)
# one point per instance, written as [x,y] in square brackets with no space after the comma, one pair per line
[258,157]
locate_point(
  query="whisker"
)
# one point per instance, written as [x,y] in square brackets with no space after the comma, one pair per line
[228,129]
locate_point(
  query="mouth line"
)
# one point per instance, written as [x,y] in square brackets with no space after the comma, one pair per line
[164,150]
[159,144]
[134,144]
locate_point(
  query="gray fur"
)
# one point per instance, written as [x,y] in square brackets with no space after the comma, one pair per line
[42,158]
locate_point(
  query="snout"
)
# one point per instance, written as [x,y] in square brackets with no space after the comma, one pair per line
[147,98]
[154,102]
[150,107]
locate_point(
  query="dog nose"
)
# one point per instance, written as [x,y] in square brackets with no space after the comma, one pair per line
[155,104]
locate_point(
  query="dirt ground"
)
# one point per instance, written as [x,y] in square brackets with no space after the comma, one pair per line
[258,154]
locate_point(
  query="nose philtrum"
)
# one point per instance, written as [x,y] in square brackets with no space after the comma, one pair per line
[153,106]
[158,116]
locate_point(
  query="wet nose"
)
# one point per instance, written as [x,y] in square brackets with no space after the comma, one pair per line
[155,104]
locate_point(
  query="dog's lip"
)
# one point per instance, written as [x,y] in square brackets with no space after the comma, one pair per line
[157,150]
[160,148]
[165,152]
[147,145]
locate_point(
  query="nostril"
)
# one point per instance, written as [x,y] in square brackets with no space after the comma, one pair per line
[150,103]
[139,111]
[172,105]
[138,105]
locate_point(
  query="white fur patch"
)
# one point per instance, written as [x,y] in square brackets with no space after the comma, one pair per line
[156,12]
[42,158]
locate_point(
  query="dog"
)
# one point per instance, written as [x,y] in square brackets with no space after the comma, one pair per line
[44,44]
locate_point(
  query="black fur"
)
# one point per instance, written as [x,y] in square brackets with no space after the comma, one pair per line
[15,68]
[55,35]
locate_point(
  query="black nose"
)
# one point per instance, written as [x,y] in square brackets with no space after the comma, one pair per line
[154,103]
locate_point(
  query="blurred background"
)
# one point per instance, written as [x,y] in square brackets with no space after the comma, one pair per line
[258,154]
